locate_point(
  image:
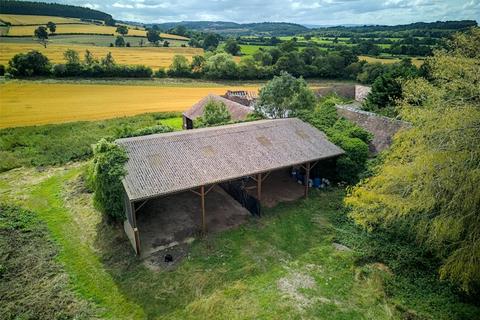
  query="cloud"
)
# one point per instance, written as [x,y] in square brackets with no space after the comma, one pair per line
[322,12]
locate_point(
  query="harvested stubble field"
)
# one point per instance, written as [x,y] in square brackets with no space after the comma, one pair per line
[154,57]
[27,103]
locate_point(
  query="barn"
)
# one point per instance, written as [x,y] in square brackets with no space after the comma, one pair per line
[215,175]
[237,111]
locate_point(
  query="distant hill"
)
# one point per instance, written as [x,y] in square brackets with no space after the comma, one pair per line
[239,29]
[52,9]
[434,29]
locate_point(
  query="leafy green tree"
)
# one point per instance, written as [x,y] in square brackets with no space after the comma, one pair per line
[210,42]
[119,41]
[221,66]
[291,63]
[51,26]
[71,56]
[263,57]
[123,30]
[430,178]
[153,36]
[232,47]
[198,62]
[180,67]
[108,61]
[32,63]
[248,68]
[215,113]
[41,34]
[166,44]
[88,58]
[284,96]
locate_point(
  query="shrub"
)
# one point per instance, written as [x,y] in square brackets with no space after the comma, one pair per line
[2,70]
[126,131]
[161,73]
[215,113]
[105,178]
[32,63]
[180,67]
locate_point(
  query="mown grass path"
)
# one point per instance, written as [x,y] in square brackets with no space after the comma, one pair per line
[85,269]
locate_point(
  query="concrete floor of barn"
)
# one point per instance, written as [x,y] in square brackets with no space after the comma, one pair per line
[176,219]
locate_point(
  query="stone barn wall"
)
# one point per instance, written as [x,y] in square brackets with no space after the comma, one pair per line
[361,92]
[355,92]
[382,128]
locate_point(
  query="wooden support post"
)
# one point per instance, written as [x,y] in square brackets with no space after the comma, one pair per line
[136,234]
[259,187]
[202,196]
[307,178]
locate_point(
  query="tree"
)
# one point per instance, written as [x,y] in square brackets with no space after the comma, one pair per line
[123,30]
[307,37]
[166,44]
[232,47]
[291,63]
[108,61]
[119,41]
[214,113]
[32,63]
[42,35]
[198,62]
[71,56]
[141,43]
[221,66]
[153,36]
[88,58]
[51,26]
[210,42]
[429,180]
[180,67]
[284,96]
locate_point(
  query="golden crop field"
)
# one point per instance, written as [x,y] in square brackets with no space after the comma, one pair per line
[82,28]
[18,19]
[416,61]
[27,103]
[154,57]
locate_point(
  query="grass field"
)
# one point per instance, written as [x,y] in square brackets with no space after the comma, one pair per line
[154,57]
[27,103]
[416,61]
[17,19]
[280,266]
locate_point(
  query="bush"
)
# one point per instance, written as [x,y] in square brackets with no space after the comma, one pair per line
[180,67]
[105,178]
[160,73]
[214,114]
[2,70]
[29,64]
[126,131]
[348,136]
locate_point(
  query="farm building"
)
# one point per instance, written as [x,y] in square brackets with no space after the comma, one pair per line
[237,111]
[213,178]
[247,98]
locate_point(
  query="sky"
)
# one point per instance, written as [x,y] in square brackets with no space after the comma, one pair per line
[313,12]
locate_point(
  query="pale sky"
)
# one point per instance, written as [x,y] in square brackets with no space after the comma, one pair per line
[320,12]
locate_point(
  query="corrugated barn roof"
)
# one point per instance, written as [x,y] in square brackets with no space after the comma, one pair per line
[237,111]
[165,163]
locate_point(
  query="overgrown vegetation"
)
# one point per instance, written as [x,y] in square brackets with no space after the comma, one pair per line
[33,285]
[430,178]
[61,143]
[215,113]
[105,175]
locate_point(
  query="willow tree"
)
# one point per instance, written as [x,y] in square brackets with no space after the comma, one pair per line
[431,175]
